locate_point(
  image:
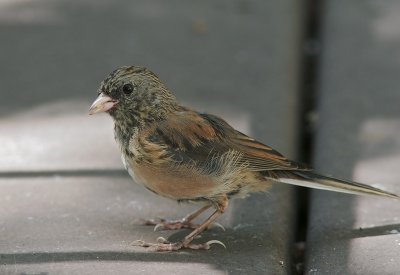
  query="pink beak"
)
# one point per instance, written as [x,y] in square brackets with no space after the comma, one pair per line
[103,103]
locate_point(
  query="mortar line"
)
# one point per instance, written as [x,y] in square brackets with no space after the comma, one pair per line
[65,173]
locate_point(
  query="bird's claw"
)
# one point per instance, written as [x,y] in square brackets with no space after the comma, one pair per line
[216,242]
[216,224]
[159,225]
[204,246]
[162,240]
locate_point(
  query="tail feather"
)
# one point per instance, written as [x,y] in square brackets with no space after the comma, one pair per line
[312,180]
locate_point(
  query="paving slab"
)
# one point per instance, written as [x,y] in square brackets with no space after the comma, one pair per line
[231,58]
[357,138]
[57,137]
[68,225]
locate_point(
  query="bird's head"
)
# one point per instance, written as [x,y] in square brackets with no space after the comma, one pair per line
[135,94]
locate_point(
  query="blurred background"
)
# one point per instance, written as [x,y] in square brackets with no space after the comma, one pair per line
[317,80]
[219,56]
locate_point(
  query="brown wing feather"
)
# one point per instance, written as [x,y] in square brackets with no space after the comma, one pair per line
[190,136]
[262,157]
[258,156]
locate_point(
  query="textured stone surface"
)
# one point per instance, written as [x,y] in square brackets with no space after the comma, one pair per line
[226,57]
[70,225]
[358,138]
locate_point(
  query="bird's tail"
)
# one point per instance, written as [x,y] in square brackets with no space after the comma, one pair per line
[312,180]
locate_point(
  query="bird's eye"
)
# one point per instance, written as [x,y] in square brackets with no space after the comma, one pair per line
[127,88]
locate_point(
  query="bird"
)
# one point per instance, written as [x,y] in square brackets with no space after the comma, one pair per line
[189,156]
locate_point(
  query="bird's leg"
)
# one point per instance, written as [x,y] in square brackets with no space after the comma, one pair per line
[185,222]
[164,245]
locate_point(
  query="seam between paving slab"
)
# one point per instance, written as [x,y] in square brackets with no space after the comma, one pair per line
[66,173]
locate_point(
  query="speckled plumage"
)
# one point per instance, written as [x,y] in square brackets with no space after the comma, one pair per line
[185,155]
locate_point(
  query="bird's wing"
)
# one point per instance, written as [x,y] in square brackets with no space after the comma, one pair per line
[191,136]
[202,139]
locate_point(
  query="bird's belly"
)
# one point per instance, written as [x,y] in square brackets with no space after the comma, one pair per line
[183,183]
[173,183]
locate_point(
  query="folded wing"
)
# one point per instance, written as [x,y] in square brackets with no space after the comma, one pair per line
[190,137]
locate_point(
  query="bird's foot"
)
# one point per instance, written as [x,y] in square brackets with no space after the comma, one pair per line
[177,224]
[171,225]
[163,245]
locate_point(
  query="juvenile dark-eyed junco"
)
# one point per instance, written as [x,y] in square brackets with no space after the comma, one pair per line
[185,155]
